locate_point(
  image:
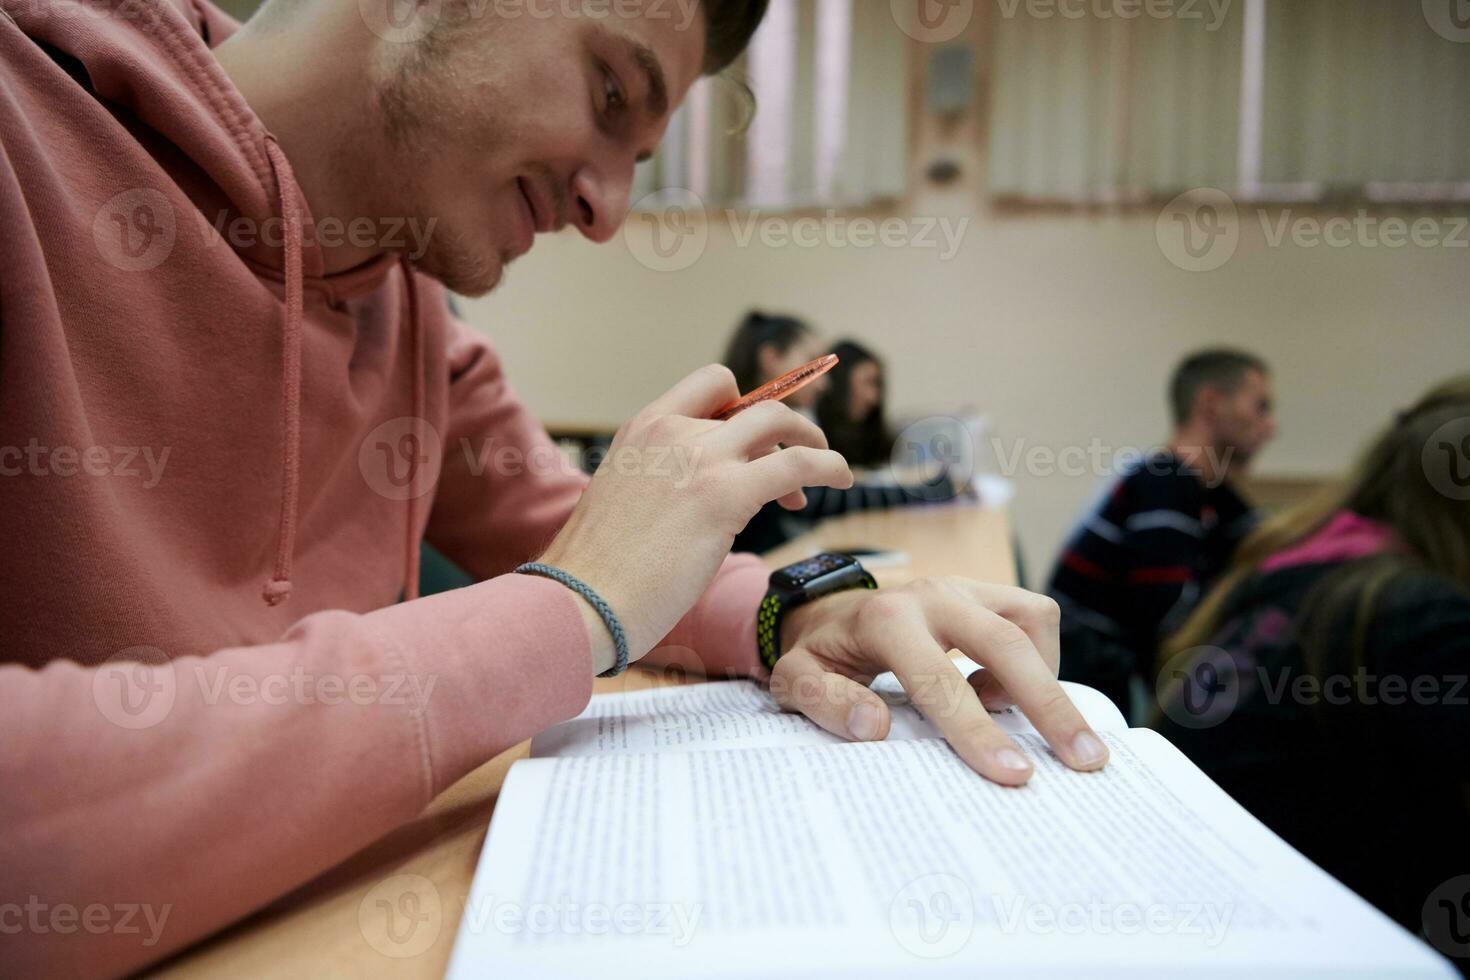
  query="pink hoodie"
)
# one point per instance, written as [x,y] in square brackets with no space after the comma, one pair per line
[203,456]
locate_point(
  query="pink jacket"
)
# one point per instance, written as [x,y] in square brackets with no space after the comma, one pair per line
[212,488]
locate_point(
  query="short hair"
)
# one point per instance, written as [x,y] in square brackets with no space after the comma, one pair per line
[728,27]
[1222,368]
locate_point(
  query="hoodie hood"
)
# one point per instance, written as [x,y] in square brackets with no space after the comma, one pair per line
[152,61]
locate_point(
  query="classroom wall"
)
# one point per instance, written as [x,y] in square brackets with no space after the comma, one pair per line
[1061,326]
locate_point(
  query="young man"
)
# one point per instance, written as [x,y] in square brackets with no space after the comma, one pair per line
[1134,569]
[233,401]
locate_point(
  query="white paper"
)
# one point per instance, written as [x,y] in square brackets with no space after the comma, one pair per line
[742,713]
[881,859]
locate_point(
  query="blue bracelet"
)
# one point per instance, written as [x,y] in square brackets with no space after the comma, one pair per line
[620,640]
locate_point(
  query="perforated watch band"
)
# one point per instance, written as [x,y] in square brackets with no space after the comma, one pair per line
[773,610]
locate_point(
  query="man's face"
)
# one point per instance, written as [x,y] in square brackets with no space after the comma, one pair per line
[1245,420]
[504,127]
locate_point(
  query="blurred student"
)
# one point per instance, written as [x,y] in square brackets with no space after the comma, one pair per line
[849,400]
[1332,700]
[850,409]
[1138,563]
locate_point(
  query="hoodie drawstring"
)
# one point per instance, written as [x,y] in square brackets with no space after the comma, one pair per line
[416,346]
[278,589]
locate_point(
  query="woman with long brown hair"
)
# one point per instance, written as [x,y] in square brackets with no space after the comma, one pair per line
[1323,683]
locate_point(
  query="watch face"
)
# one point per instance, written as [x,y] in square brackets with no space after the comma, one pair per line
[799,576]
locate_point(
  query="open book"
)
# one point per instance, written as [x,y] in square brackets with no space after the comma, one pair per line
[699,831]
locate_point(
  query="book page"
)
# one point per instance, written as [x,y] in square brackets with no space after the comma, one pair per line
[879,859]
[724,714]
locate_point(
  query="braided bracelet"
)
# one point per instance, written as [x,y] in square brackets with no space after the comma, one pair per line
[620,640]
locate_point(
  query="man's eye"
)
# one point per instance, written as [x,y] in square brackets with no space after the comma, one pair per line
[612,93]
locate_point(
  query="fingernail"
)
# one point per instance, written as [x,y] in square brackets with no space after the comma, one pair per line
[863,721]
[1088,750]
[1012,760]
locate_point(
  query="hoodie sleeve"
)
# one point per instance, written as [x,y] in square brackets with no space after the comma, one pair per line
[147,805]
[505,490]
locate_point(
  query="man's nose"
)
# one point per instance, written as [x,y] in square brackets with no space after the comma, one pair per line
[600,201]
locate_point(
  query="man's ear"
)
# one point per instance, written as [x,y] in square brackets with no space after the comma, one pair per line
[1207,405]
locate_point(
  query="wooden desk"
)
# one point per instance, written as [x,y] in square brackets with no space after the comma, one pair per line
[316,931]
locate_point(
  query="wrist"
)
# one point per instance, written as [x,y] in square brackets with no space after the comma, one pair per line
[600,641]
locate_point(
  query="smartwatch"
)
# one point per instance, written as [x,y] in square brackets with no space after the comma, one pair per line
[796,585]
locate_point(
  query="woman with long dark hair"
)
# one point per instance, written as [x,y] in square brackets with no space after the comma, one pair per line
[851,409]
[1323,682]
[765,347]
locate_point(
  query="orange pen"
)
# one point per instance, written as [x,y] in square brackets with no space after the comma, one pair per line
[780,389]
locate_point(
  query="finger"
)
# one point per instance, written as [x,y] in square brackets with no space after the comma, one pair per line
[794,501]
[938,689]
[992,693]
[789,470]
[1006,651]
[761,428]
[698,396]
[839,704]
[1038,616]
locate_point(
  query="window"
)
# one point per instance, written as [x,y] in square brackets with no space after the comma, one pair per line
[822,134]
[1270,99]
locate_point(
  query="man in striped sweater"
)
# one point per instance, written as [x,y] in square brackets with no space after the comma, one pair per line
[1143,557]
